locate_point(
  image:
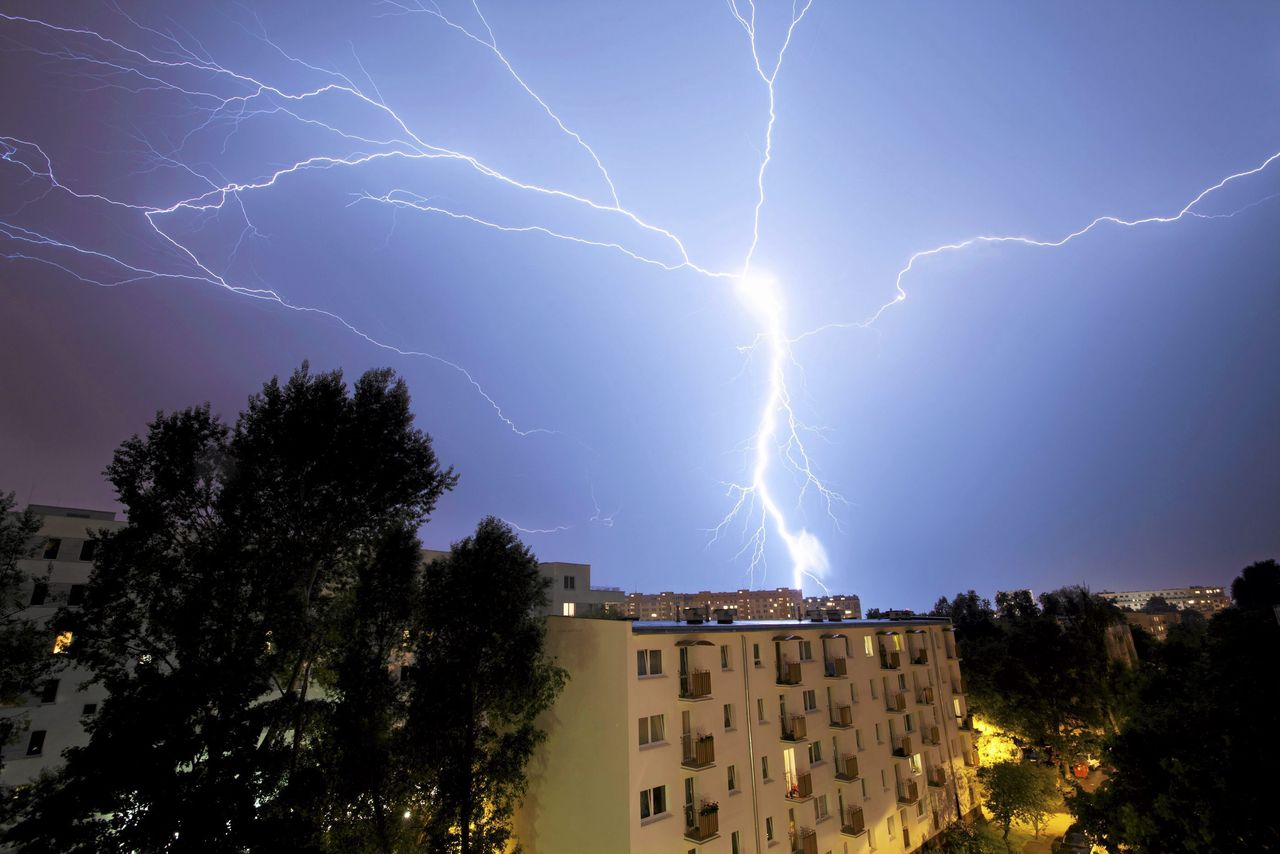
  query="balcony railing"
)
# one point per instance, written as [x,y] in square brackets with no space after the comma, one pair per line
[835,667]
[804,841]
[937,777]
[902,746]
[895,702]
[702,824]
[854,823]
[695,684]
[921,656]
[789,673]
[908,792]
[794,728]
[800,786]
[926,695]
[699,751]
[930,734]
[847,768]
[843,717]
[964,722]
[890,660]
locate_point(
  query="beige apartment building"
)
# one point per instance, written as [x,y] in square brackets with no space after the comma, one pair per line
[782,603]
[55,714]
[1206,600]
[570,593]
[729,737]
[849,606]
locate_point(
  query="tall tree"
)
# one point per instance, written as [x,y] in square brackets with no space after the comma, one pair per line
[482,636]
[24,648]
[1016,791]
[216,618]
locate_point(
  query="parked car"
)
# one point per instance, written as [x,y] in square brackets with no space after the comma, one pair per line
[1072,842]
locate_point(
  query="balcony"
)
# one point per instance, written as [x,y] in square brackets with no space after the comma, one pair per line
[926,695]
[854,823]
[835,668]
[847,768]
[804,841]
[705,825]
[921,656]
[699,751]
[695,685]
[902,746]
[800,787]
[789,673]
[964,723]
[971,757]
[843,718]
[794,728]
[931,734]
[895,702]
[908,792]
[957,686]
[937,777]
[890,660]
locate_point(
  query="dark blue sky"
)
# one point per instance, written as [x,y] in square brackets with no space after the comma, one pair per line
[1103,412]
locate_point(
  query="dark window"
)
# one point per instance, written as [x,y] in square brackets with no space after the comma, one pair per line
[89,709]
[35,745]
[87,549]
[76,596]
[49,692]
[39,592]
[51,547]
[569,582]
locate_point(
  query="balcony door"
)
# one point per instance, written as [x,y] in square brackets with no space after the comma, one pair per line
[789,768]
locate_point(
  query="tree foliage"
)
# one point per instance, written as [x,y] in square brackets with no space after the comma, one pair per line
[1158,605]
[1018,791]
[242,622]
[24,651]
[1189,772]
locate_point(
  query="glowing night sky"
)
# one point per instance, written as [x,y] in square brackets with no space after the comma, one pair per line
[633,308]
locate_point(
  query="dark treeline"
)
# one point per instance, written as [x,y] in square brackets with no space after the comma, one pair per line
[284,673]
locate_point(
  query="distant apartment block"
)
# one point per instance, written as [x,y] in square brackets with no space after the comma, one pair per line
[571,592]
[786,736]
[1206,600]
[849,606]
[55,713]
[1157,625]
[782,603]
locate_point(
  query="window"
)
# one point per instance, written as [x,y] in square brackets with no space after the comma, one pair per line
[874,695]
[764,767]
[820,808]
[810,700]
[853,693]
[652,729]
[906,723]
[49,691]
[760,709]
[879,735]
[568,609]
[653,802]
[35,744]
[728,716]
[733,778]
[806,650]
[871,838]
[649,662]
[914,762]
[865,796]
[39,592]
[90,709]
[51,547]
[88,549]
[902,681]
[857,738]
[920,808]
[570,583]
[815,752]
[892,826]
[62,643]
[755,652]
[884,779]
[76,595]
[868,646]
[735,842]
[724,657]
[768,828]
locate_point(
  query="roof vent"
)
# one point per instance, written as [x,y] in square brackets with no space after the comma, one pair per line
[815,615]
[835,615]
[725,615]
[695,616]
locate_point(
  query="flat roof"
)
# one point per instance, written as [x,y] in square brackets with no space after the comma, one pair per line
[658,627]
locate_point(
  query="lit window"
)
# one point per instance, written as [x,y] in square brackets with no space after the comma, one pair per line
[62,643]
[915,764]
[568,609]
[653,802]
[867,646]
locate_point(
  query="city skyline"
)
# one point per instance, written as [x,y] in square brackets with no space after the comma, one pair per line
[1096,413]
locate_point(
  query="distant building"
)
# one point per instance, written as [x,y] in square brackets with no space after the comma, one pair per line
[849,606]
[56,712]
[571,592]
[1157,625]
[1206,600]
[782,603]
[804,737]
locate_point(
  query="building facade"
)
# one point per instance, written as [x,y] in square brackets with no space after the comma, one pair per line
[849,606]
[843,737]
[1206,600]
[54,716]
[782,603]
[570,591]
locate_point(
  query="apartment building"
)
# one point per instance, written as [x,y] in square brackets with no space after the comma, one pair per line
[1206,600]
[571,592]
[849,606]
[55,714]
[782,603]
[727,738]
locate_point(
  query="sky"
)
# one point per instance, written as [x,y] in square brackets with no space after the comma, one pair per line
[194,200]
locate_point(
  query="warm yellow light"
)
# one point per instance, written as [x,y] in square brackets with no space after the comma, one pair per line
[62,643]
[994,744]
